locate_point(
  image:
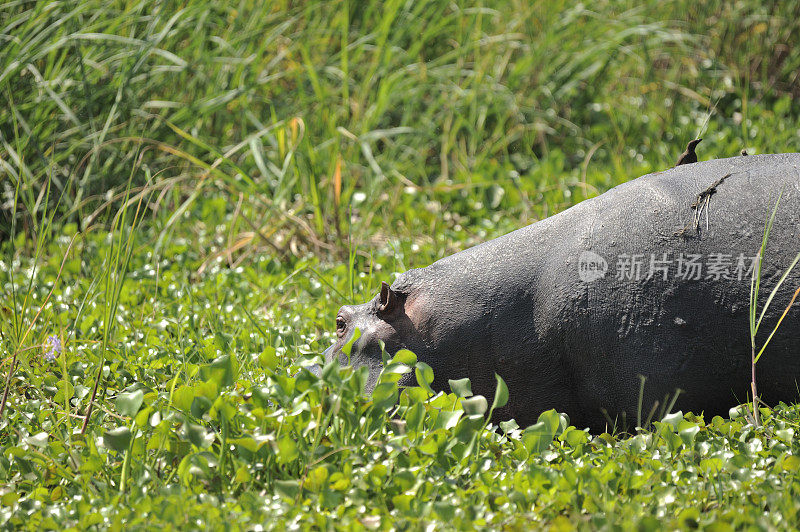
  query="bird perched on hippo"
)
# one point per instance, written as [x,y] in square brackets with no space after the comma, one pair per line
[571,310]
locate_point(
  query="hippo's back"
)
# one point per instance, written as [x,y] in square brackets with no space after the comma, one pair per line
[651,278]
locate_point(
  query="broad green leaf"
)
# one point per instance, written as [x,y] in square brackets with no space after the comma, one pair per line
[673,419]
[404,356]
[117,439]
[552,419]
[316,478]
[347,348]
[468,427]
[38,440]
[200,405]
[197,435]
[268,359]
[461,387]
[508,426]
[384,395]
[500,393]
[415,416]
[791,463]
[128,403]
[538,437]
[687,432]
[288,489]
[476,405]
[222,370]
[286,450]
[447,420]
[183,397]
[574,437]
[425,376]
[242,475]
[413,395]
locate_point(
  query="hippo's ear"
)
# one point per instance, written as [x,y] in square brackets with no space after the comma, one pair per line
[389,300]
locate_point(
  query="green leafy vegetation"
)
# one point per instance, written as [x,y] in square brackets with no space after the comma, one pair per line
[188,191]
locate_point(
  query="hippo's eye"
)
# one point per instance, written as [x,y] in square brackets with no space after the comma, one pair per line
[341,325]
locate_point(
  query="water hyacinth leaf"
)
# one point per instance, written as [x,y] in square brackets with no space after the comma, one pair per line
[467,443]
[329,373]
[65,391]
[424,374]
[447,420]
[413,395]
[791,463]
[415,416]
[222,408]
[385,395]
[403,502]
[287,489]
[142,416]
[461,387]
[468,427]
[222,370]
[183,397]
[475,405]
[688,431]
[246,442]
[538,437]
[404,356]
[208,389]
[508,426]
[673,419]
[552,419]
[200,405]
[574,437]
[385,358]
[268,359]
[128,404]
[500,393]
[388,376]
[785,434]
[712,465]
[242,475]
[286,450]
[117,439]
[38,440]
[9,499]
[316,478]
[197,435]
[737,411]
[347,348]
[399,369]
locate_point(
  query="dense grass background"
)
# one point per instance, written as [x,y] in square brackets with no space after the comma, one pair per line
[188,190]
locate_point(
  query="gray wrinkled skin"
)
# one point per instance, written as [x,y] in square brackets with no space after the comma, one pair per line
[517,306]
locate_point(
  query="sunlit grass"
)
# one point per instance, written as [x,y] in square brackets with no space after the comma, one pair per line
[189,190]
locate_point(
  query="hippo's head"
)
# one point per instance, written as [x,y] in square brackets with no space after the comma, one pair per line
[383,319]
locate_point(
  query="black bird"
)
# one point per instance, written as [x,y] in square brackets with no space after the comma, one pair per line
[744,153]
[689,156]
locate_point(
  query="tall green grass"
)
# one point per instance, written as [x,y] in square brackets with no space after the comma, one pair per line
[756,317]
[516,106]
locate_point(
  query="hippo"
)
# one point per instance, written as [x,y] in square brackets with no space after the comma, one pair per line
[619,304]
